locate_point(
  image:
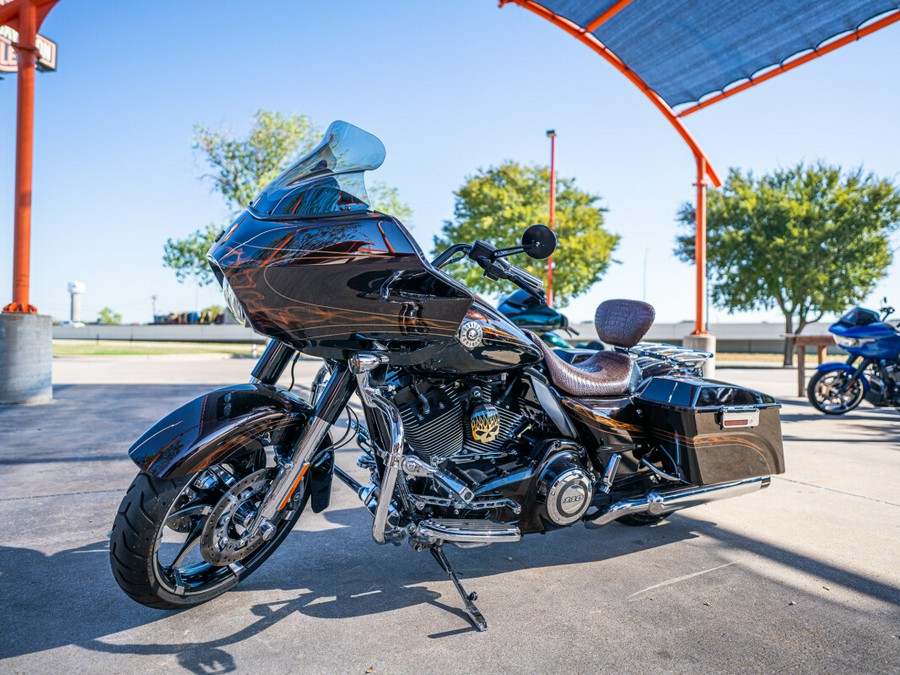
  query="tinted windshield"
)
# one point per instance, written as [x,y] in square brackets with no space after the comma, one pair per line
[326,181]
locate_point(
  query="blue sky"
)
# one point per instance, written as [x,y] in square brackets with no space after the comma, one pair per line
[449,87]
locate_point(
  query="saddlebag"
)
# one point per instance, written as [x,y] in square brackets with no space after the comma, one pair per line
[716,432]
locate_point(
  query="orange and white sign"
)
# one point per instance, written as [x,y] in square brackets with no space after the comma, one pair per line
[46,51]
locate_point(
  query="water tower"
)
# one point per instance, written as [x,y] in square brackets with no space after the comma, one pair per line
[76,289]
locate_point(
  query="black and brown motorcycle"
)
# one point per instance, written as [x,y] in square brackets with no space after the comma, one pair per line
[474,431]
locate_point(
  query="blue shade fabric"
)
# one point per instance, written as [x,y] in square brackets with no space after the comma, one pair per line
[687,49]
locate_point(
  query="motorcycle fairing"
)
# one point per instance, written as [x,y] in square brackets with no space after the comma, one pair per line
[216,426]
[835,365]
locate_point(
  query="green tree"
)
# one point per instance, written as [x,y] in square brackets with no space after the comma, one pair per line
[241,168]
[807,240]
[108,317]
[498,204]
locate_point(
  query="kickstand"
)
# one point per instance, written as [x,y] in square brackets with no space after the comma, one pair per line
[468,599]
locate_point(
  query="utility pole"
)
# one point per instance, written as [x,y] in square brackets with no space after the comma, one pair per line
[551,133]
[153,300]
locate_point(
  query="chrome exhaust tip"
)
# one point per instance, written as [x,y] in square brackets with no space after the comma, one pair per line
[657,503]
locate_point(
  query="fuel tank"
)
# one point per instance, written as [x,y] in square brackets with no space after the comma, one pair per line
[486,342]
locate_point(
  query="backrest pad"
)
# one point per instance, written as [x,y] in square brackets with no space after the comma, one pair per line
[623,323]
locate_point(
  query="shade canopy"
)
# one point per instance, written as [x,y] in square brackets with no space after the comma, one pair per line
[685,55]
[686,50]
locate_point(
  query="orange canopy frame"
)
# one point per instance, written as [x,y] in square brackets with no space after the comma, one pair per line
[633,20]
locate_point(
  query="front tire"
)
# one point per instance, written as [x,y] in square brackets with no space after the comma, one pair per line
[823,392]
[167,574]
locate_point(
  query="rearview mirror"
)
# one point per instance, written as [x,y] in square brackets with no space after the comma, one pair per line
[539,241]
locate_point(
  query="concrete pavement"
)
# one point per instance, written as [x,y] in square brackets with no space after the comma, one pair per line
[804,576]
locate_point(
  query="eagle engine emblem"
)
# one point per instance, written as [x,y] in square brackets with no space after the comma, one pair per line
[470,334]
[485,422]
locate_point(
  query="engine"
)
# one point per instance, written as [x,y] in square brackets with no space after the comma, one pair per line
[495,440]
[466,420]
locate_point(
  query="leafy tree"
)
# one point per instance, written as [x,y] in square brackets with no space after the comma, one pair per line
[498,204]
[242,168]
[808,240]
[109,317]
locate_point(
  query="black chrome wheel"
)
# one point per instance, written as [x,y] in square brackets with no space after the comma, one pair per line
[828,393]
[178,543]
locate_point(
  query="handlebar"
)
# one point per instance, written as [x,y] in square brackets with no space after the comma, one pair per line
[488,257]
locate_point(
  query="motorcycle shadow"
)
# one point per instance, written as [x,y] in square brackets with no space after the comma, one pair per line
[345,575]
[324,572]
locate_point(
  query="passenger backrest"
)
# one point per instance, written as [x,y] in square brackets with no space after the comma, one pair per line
[623,323]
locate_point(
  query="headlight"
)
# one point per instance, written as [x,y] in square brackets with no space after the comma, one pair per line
[232,302]
[845,341]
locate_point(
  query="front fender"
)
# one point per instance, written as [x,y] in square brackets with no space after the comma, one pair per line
[847,368]
[217,425]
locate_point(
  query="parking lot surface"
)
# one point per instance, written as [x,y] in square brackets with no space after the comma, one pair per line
[803,576]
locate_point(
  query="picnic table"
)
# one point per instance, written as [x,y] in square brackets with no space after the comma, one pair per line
[799,344]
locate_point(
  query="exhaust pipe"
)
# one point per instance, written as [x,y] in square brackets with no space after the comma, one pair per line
[658,503]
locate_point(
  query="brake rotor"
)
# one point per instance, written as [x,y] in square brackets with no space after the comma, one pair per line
[225,537]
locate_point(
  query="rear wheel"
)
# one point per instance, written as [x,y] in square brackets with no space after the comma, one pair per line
[178,543]
[828,393]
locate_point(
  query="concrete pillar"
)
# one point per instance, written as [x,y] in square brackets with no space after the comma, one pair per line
[26,353]
[705,343]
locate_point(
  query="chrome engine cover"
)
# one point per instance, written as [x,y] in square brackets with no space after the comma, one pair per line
[569,497]
[566,489]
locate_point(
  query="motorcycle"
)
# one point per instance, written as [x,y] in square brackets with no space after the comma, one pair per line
[871,372]
[473,433]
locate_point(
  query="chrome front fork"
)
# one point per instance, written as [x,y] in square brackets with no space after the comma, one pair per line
[331,399]
[373,397]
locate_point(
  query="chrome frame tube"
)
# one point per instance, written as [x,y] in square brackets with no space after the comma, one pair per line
[362,364]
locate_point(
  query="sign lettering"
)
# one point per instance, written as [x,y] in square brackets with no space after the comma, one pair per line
[46,51]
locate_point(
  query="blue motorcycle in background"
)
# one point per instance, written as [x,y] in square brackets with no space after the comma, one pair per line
[872,372]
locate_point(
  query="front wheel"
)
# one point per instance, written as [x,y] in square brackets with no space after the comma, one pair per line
[828,393]
[178,543]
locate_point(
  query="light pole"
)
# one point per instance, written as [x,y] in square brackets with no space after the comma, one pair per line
[551,133]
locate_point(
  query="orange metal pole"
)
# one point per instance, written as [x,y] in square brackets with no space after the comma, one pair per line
[700,248]
[790,65]
[552,219]
[25,55]
[614,9]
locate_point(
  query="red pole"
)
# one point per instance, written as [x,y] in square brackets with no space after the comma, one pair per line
[552,134]
[25,56]
[700,247]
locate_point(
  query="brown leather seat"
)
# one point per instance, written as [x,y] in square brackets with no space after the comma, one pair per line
[621,323]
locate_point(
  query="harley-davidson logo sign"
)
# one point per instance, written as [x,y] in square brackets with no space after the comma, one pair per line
[9,63]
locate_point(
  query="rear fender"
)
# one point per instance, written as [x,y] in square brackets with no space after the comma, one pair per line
[218,425]
[844,367]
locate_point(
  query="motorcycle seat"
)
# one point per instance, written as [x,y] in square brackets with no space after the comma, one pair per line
[621,323]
